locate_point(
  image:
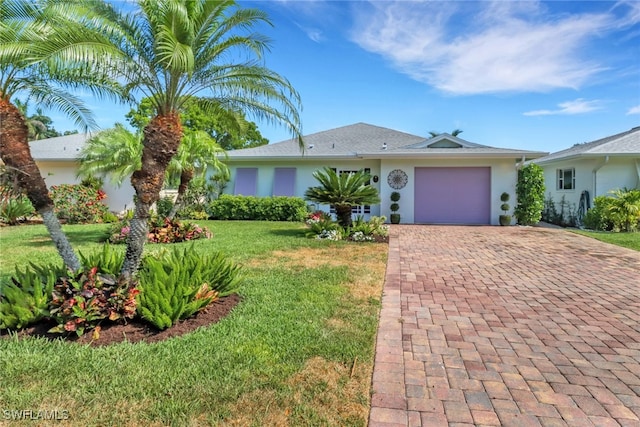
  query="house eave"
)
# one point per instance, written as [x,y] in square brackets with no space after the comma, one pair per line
[586,156]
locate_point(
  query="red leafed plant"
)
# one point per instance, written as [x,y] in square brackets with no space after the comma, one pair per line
[82,302]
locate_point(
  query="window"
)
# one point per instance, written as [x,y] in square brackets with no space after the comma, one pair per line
[566,179]
[357,210]
[246,181]
[284,182]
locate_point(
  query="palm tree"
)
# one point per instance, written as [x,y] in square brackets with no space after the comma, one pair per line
[44,48]
[115,152]
[625,207]
[455,132]
[196,154]
[343,192]
[178,49]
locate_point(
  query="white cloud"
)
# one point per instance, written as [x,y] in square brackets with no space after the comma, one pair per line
[633,110]
[483,47]
[578,106]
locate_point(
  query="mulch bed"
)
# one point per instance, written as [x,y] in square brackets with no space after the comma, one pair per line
[136,330]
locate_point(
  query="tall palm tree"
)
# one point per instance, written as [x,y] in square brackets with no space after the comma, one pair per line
[179,49]
[343,192]
[45,48]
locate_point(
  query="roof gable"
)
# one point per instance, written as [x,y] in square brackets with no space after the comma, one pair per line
[445,140]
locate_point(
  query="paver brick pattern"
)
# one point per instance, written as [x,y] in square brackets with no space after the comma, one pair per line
[507,326]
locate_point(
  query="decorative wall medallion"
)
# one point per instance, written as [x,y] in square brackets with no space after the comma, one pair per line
[397,179]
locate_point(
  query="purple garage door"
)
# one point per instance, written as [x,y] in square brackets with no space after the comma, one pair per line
[453,195]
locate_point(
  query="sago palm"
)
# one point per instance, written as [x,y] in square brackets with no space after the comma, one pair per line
[343,192]
[45,49]
[179,49]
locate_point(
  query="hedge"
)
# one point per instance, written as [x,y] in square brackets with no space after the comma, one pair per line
[276,208]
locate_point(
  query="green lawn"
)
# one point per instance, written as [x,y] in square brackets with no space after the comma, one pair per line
[627,240]
[298,350]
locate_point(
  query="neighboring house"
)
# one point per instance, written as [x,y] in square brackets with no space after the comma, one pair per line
[442,180]
[57,159]
[596,167]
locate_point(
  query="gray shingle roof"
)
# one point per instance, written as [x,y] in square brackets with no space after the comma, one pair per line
[66,147]
[621,144]
[365,140]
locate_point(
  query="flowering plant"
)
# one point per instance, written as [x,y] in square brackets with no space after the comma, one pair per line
[167,231]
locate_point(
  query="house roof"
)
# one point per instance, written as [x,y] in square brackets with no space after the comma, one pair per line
[624,144]
[66,147]
[363,140]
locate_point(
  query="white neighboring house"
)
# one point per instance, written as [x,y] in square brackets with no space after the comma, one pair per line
[441,180]
[57,159]
[596,167]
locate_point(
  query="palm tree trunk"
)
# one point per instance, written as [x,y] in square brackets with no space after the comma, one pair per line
[161,141]
[15,153]
[185,178]
[343,215]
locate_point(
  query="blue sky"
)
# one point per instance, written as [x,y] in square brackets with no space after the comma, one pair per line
[517,74]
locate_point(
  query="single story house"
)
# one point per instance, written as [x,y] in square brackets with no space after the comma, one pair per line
[57,159]
[595,167]
[441,180]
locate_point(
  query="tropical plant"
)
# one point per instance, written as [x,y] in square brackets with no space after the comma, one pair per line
[14,208]
[83,301]
[182,282]
[625,209]
[25,300]
[455,132]
[161,230]
[114,152]
[176,50]
[77,203]
[530,194]
[197,153]
[343,192]
[46,47]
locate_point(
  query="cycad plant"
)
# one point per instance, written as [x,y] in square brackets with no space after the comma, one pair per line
[343,192]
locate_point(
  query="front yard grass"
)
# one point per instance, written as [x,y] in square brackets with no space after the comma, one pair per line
[298,350]
[627,240]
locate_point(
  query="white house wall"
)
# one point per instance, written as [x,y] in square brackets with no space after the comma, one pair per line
[503,179]
[56,173]
[595,175]
[304,175]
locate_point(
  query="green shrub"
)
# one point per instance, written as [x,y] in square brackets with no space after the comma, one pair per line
[164,206]
[82,302]
[618,213]
[25,300]
[530,194]
[12,209]
[277,208]
[180,284]
[78,203]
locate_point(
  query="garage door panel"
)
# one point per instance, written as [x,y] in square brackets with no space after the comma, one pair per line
[453,195]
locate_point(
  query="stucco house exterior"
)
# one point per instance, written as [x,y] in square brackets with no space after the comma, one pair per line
[442,180]
[57,159]
[596,167]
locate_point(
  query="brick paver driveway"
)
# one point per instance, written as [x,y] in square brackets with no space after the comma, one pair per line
[509,326]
